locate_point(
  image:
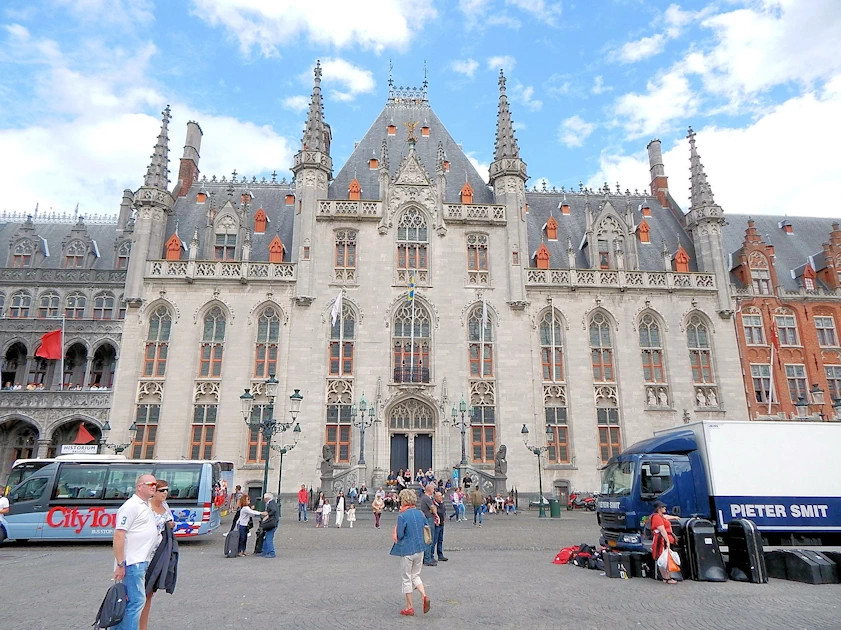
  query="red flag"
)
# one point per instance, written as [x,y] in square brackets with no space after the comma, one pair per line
[50,345]
[83,436]
[775,335]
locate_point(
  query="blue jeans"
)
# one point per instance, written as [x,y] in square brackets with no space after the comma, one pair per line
[135,582]
[477,513]
[302,511]
[243,538]
[268,543]
[439,541]
[428,549]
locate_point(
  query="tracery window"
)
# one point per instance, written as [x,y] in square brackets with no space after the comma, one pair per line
[19,304]
[651,350]
[226,239]
[157,342]
[103,306]
[268,342]
[22,253]
[700,352]
[342,339]
[480,343]
[48,305]
[74,307]
[123,253]
[551,346]
[411,344]
[601,349]
[75,255]
[412,241]
[213,344]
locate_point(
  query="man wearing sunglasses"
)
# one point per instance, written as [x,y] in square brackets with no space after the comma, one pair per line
[135,538]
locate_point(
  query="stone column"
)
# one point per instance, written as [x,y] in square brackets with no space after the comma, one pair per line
[28,366]
[86,380]
[43,445]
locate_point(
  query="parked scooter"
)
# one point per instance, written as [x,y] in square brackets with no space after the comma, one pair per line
[581,501]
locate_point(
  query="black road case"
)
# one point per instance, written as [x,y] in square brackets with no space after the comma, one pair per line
[701,554]
[746,554]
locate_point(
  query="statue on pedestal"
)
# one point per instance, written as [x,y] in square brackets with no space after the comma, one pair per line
[327,459]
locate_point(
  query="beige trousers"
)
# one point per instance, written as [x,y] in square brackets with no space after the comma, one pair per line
[410,568]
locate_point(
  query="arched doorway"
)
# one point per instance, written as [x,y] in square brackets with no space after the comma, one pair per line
[14,366]
[69,432]
[75,364]
[103,366]
[411,426]
[18,440]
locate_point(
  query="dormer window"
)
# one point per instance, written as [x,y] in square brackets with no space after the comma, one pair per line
[173,248]
[354,190]
[681,260]
[646,210]
[201,197]
[22,253]
[604,254]
[466,193]
[425,131]
[225,245]
[123,253]
[809,284]
[276,250]
[75,256]
[542,256]
[392,130]
[551,229]
[260,221]
[643,230]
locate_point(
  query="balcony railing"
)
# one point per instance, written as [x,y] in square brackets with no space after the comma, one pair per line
[69,276]
[344,208]
[411,375]
[621,279]
[475,213]
[82,400]
[220,269]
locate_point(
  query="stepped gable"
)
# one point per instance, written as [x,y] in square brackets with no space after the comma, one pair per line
[663,223]
[56,229]
[269,195]
[791,251]
[406,106]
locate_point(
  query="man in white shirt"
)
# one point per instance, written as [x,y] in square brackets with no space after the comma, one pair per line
[135,538]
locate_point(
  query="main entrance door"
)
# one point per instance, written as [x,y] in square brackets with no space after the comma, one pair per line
[423,451]
[399,452]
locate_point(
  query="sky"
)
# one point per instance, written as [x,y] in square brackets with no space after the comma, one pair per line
[591,82]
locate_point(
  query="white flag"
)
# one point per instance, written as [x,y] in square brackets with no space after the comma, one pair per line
[337,308]
[484,311]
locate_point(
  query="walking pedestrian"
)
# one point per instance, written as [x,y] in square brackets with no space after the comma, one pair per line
[325,514]
[409,545]
[269,526]
[235,497]
[135,537]
[427,507]
[302,503]
[377,508]
[160,566]
[439,529]
[455,499]
[319,510]
[478,501]
[351,515]
[244,523]
[340,509]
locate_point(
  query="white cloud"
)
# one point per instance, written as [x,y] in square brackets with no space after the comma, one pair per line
[296,103]
[483,168]
[353,79]
[269,25]
[599,87]
[642,48]
[466,67]
[574,131]
[506,62]
[524,95]
[547,12]
[125,12]
[494,13]
[745,168]
[668,98]
[675,20]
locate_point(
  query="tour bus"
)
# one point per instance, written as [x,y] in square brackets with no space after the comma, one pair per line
[78,499]
[22,469]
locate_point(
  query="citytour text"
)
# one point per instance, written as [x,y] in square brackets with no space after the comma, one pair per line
[93,517]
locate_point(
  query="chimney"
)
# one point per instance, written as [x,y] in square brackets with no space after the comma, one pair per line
[659,181]
[188,172]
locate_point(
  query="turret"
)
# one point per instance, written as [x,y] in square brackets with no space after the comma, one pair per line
[125,209]
[188,172]
[659,181]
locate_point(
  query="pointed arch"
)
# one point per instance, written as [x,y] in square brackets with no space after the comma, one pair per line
[48,304]
[212,346]
[466,193]
[411,334]
[173,248]
[20,303]
[354,190]
[541,256]
[226,231]
[157,341]
[643,230]
[267,344]
[681,260]
[600,327]
[699,341]
[22,253]
[550,326]
[551,229]
[276,250]
[480,342]
[260,221]
[650,328]
[413,244]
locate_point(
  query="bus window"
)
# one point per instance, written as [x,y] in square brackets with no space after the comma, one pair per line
[121,482]
[80,482]
[183,479]
[30,490]
[23,470]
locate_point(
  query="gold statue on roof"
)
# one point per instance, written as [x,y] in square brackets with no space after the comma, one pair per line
[411,126]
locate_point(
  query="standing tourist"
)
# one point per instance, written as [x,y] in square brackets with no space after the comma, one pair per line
[478,501]
[351,515]
[340,509]
[439,528]
[455,499]
[160,566]
[244,522]
[377,508]
[319,509]
[135,536]
[409,545]
[269,526]
[235,497]
[427,507]
[303,498]
[4,503]
[325,514]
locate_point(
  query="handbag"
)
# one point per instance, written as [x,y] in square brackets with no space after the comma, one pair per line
[673,562]
[427,535]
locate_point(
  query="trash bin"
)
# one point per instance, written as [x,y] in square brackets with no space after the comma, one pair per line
[554,508]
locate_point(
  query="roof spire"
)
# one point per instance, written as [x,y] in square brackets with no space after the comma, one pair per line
[700,193]
[314,137]
[384,155]
[506,143]
[157,175]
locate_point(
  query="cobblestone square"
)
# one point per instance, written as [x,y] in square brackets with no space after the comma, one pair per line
[499,576]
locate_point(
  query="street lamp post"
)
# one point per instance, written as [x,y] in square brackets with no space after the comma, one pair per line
[465,412]
[538,451]
[118,448]
[269,427]
[361,422]
[283,450]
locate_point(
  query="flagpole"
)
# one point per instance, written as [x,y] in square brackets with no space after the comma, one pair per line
[482,351]
[552,358]
[341,334]
[61,373]
[412,339]
[771,384]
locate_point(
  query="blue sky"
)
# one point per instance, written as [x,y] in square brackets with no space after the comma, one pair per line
[82,83]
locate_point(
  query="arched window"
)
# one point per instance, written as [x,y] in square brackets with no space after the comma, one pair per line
[700,352]
[601,349]
[787,327]
[48,305]
[75,254]
[345,254]
[103,306]
[157,342]
[74,306]
[173,248]
[212,344]
[480,341]
[466,193]
[759,274]
[752,325]
[260,221]
[22,253]
[412,241]
[411,343]
[276,250]
[477,259]
[268,340]
[342,336]
[19,304]
[651,350]
[607,417]
[123,253]
[542,256]
[354,190]
[551,347]
[226,239]
[681,260]
[551,229]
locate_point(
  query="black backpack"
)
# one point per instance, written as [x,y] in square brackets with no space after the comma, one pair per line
[113,607]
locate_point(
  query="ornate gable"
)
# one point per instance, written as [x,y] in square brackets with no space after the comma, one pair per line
[411,172]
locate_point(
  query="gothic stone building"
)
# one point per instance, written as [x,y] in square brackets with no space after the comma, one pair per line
[600,315]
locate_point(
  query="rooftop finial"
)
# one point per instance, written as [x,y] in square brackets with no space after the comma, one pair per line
[506,143]
[157,175]
[700,193]
[314,138]
[317,72]
[425,82]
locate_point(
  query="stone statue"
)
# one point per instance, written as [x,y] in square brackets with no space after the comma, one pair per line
[652,399]
[699,396]
[500,464]
[327,457]
[664,399]
[712,401]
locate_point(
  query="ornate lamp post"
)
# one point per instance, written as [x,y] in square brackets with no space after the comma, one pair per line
[361,422]
[117,448]
[269,427]
[538,451]
[283,450]
[465,412]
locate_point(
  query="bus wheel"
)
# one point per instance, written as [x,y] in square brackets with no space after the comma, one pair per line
[2,534]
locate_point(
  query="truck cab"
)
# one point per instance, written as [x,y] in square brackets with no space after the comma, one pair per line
[666,468]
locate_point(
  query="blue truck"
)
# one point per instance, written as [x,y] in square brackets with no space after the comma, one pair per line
[784,476]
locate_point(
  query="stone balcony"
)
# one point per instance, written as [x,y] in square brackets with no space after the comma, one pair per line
[85,277]
[474,213]
[620,279]
[91,328]
[346,209]
[52,405]
[191,270]
[802,293]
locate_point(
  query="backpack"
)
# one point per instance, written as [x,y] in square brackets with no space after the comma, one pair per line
[564,555]
[113,607]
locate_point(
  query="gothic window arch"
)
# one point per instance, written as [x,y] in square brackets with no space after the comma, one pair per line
[48,305]
[607,417]
[412,245]
[753,327]
[345,269]
[123,254]
[157,342]
[480,342]
[22,253]
[700,350]
[342,342]
[74,305]
[411,343]
[268,343]
[19,304]
[225,243]
[2,303]
[601,348]
[103,306]
[411,415]
[212,343]
[260,221]
[651,349]
[75,254]
[276,250]
[477,259]
[759,274]
[786,323]
[551,346]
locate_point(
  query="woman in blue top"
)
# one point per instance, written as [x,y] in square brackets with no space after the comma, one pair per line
[409,544]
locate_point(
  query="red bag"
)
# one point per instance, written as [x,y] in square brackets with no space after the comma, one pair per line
[564,555]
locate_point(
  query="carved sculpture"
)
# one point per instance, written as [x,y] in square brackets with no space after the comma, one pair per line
[500,463]
[327,459]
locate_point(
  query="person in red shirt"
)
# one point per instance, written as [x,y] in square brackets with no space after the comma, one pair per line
[661,528]
[303,499]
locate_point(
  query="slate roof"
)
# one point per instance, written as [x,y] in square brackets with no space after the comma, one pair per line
[663,223]
[54,233]
[791,251]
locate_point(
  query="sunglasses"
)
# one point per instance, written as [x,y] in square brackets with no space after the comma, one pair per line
[163,489]
[151,484]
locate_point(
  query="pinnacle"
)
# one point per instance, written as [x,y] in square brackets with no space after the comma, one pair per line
[506,143]
[157,175]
